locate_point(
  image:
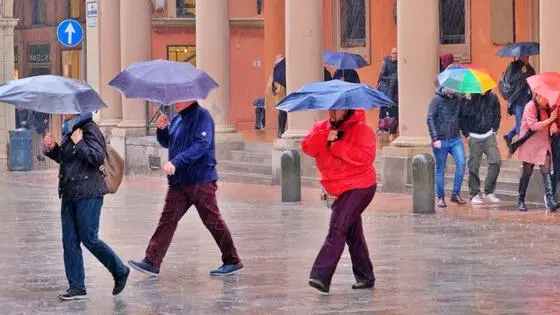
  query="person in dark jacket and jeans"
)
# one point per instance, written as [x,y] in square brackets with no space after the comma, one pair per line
[443,124]
[387,84]
[192,177]
[82,187]
[479,120]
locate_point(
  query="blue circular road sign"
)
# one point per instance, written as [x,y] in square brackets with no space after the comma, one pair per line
[70,33]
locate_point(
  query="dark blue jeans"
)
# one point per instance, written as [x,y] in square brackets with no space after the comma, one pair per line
[80,225]
[456,148]
[518,107]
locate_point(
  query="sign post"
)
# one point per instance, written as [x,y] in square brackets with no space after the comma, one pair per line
[70,34]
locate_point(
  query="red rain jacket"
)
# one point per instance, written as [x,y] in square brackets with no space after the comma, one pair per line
[348,163]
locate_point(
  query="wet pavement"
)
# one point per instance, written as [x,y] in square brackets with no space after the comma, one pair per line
[485,260]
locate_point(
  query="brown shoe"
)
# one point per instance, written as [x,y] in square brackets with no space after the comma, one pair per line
[456,198]
[441,203]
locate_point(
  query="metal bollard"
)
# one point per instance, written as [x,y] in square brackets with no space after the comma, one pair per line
[290,169]
[423,184]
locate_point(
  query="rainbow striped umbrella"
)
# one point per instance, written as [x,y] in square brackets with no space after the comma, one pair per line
[466,79]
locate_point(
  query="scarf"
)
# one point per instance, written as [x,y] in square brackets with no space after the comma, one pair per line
[68,125]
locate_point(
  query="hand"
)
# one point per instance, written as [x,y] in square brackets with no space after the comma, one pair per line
[437,144]
[49,142]
[77,136]
[467,138]
[162,122]
[169,169]
[333,135]
[553,115]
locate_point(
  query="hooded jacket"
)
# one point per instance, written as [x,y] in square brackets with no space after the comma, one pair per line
[347,163]
[443,116]
[480,114]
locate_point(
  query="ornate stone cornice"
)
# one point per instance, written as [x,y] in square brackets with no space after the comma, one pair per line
[254,23]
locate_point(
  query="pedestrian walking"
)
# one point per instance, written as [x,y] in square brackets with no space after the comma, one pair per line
[387,83]
[192,177]
[536,150]
[443,124]
[81,188]
[343,147]
[480,120]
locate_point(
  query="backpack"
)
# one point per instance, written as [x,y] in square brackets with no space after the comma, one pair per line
[112,169]
[505,87]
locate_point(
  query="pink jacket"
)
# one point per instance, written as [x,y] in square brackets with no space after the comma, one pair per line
[534,150]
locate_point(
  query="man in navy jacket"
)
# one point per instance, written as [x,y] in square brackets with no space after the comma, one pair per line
[192,176]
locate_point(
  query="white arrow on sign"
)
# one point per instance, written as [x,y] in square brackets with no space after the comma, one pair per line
[69,31]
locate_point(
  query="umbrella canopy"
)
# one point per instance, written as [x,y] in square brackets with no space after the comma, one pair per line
[463,79]
[51,94]
[344,60]
[546,84]
[164,82]
[334,94]
[279,72]
[518,50]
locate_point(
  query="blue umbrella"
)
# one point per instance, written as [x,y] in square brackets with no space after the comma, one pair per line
[518,50]
[334,94]
[279,72]
[51,94]
[344,60]
[164,82]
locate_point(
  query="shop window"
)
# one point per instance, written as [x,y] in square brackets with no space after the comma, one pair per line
[351,26]
[38,54]
[37,12]
[184,53]
[186,8]
[454,26]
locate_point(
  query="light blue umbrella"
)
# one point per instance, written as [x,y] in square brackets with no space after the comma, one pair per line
[164,82]
[334,94]
[344,60]
[51,94]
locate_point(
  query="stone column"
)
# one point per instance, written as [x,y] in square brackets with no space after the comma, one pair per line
[135,39]
[417,26]
[304,58]
[7,112]
[110,61]
[549,39]
[304,64]
[212,56]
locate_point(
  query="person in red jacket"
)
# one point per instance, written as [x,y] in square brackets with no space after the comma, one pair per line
[343,147]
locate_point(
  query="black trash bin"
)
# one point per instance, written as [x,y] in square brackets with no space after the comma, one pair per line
[20,150]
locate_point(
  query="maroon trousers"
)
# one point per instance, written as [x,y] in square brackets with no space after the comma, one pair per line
[346,227]
[178,200]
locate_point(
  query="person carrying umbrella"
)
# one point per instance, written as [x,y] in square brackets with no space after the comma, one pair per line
[81,184]
[387,83]
[344,149]
[191,170]
[513,85]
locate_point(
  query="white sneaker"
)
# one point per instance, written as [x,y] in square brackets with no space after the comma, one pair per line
[492,198]
[476,200]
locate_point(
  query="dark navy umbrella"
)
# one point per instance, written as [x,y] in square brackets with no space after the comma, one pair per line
[164,82]
[334,94]
[518,50]
[51,94]
[279,72]
[344,60]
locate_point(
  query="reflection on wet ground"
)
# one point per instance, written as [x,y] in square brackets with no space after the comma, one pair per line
[461,261]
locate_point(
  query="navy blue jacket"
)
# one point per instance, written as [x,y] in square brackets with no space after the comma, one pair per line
[79,174]
[443,116]
[190,140]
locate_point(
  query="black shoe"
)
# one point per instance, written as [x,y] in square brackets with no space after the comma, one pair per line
[521,205]
[120,281]
[73,294]
[549,200]
[441,203]
[456,198]
[314,283]
[366,284]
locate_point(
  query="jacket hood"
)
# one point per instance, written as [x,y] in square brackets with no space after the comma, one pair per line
[445,96]
[388,59]
[358,116]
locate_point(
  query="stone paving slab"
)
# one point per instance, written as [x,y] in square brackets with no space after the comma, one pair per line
[463,260]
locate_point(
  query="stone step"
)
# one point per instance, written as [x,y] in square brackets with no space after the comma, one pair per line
[505,174]
[245,178]
[243,167]
[265,147]
[251,157]
[505,186]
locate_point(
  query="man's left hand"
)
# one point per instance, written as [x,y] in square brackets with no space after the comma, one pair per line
[333,135]
[169,169]
[77,136]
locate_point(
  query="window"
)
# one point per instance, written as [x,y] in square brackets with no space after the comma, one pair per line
[351,29]
[185,53]
[454,26]
[186,8]
[37,12]
[38,54]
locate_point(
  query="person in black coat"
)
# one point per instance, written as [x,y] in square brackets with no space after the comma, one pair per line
[82,187]
[388,85]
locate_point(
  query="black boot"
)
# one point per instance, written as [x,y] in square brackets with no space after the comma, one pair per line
[549,200]
[523,184]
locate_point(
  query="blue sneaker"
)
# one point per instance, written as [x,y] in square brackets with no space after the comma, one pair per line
[226,269]
[144,267]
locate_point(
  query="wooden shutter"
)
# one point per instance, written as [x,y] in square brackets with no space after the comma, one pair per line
[503,21]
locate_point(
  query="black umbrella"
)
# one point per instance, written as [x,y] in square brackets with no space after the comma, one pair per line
[518,50]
